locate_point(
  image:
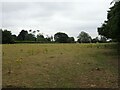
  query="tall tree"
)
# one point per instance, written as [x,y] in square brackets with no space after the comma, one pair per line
[22,35]
[84,37]
[7,37]
[111,27]
[61,37]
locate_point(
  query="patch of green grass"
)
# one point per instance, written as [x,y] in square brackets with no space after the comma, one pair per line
[60,65]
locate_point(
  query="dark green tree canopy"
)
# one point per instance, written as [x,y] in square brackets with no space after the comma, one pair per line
[30,37]
[22,35]
[61,37]
[14,37]
[71,40]
[111,27]
[41,38]
[7,37]
[84,37]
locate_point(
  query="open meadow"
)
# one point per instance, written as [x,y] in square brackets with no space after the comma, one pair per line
[59,65]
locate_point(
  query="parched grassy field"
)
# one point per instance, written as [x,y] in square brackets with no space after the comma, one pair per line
[60,66]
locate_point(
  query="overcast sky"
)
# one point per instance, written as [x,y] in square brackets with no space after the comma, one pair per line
[50,16]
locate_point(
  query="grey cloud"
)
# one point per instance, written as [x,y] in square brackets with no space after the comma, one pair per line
[50,17]
[9,7]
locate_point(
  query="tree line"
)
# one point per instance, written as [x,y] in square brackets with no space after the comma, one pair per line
[29,37]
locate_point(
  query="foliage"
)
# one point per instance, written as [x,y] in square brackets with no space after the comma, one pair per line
[30,37]
[25,37]
[111,27]
[61,37]
[71,40]
[84,37]
[49,38]
[14,37]
[41,38]
[22,35]
[95,40]
[7,37]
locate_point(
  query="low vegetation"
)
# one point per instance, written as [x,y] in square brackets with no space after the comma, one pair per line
[60,66]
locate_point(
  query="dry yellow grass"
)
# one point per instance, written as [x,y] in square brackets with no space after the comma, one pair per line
[59,65]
